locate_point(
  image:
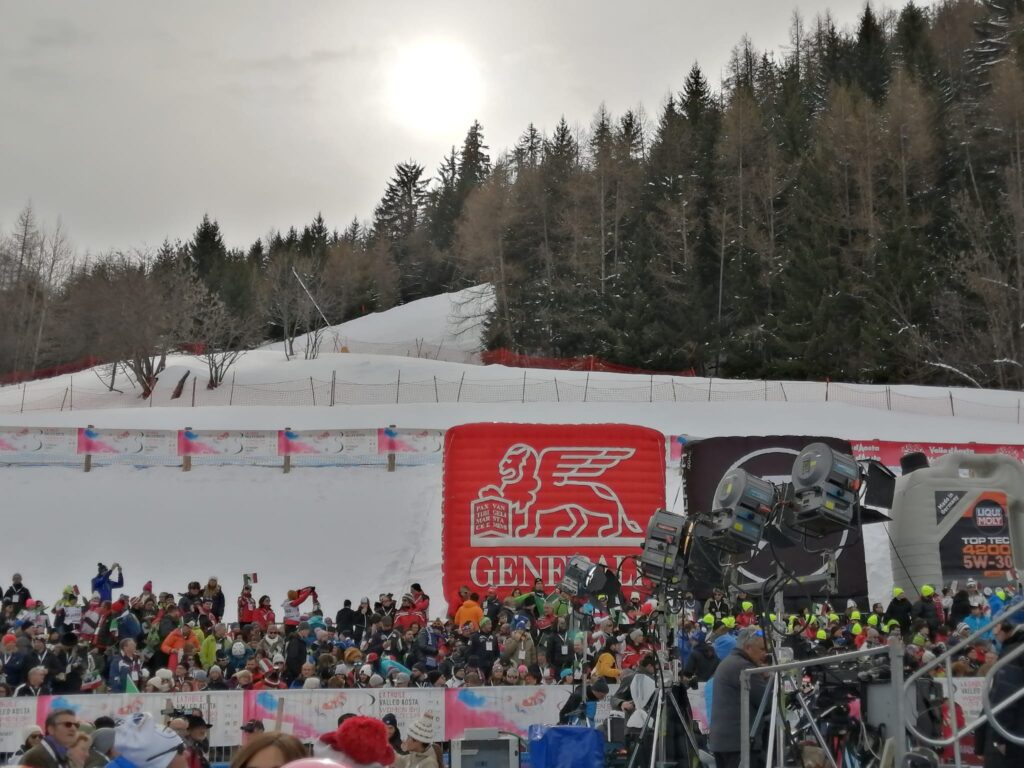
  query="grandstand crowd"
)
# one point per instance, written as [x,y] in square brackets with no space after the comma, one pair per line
[107,641]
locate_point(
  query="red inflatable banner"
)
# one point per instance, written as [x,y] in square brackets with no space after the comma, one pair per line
[519,499]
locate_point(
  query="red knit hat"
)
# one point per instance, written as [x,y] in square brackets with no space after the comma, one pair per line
[362,739]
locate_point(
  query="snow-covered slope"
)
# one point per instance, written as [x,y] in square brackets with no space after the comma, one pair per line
[356,531]
[443,327]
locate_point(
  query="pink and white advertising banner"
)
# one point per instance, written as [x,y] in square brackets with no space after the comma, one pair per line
[127,442]
[29,440]
[193,442]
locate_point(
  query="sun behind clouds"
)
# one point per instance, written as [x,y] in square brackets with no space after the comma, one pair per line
[435,87]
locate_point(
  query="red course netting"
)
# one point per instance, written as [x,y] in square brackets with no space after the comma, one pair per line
[17,377]
[583,363]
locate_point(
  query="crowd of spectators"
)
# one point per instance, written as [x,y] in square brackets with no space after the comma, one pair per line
[162,641]
[153,641]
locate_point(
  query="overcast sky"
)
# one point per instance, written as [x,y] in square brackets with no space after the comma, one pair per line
[130,120]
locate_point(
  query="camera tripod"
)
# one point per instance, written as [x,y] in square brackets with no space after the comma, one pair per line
[658,716]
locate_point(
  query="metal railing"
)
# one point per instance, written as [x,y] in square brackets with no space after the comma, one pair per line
[946,659]
[894,650]
[986,698]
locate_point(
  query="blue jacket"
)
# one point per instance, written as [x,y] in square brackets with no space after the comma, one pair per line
[103,584]
[121,672]
[995,604]
[976,623]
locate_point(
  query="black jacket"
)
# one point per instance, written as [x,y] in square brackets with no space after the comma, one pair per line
[345,621]
[960,609]
[485,656]
[15,666]
[19,591]
[900,609]
[295,655]
[49,659]
[925,609]
[701,663]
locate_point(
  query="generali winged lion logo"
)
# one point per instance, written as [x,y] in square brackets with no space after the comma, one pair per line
[545,498]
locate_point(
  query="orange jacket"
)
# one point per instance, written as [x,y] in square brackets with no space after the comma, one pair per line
[175,641]
[470,611]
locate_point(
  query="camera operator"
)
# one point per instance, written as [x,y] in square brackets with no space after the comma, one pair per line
[750,651]
[635,698]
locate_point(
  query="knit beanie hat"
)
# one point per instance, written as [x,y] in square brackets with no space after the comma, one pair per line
[422,730]
[362,741]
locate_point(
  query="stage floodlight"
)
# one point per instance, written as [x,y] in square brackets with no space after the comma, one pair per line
[583,577]
[663,560]
[742,505]
[826,485]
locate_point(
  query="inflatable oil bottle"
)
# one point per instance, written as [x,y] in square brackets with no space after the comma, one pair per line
[961,518]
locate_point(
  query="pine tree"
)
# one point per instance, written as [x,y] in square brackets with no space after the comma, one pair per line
[871,57]
[206,251]
[474,162]
[444,205]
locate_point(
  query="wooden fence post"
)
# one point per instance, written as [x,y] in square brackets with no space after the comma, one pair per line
[186,460]
[193,391]
[391,455]
[87,462]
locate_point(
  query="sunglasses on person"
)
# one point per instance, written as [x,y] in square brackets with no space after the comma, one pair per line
[179,748]
[68,724]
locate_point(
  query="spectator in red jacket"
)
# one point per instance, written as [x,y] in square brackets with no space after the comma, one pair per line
[264,614]
[420,601]
[407,615]
[247,606]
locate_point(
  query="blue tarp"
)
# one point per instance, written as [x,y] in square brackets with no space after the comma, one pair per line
[568,746]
